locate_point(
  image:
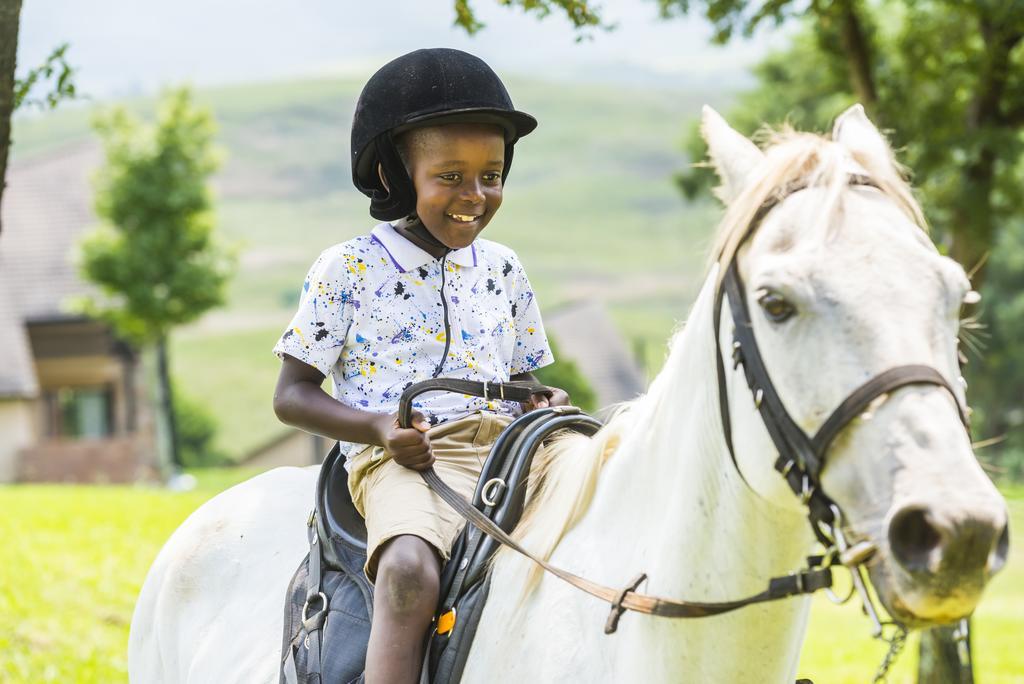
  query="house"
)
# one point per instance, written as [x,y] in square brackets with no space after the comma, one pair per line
[610,367]
[290,447]
[76,403]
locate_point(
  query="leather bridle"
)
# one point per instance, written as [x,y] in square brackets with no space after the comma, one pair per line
[801,457]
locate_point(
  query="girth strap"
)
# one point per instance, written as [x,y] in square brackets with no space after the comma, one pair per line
[316,599]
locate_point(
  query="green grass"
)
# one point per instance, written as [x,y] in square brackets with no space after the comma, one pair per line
[75,558]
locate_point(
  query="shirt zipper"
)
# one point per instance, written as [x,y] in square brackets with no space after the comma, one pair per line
[447,324]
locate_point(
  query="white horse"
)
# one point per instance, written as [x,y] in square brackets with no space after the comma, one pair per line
[656,490]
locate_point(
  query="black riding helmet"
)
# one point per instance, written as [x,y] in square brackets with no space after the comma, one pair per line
[436,85]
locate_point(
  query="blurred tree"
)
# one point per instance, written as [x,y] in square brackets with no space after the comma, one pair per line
[945,77]
[970,176]
[997,382]
[197,428]
[155,259]
[565,374]
[14,92]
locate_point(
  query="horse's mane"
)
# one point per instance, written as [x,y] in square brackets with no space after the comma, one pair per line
[564,476]
[553,509]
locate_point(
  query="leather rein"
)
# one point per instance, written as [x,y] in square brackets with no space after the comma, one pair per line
[800,461]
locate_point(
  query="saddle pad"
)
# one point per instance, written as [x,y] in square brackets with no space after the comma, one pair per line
[345,633]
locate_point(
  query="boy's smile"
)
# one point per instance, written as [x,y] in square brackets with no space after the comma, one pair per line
[456,170]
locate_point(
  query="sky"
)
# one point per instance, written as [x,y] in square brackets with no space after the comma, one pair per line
[130,47]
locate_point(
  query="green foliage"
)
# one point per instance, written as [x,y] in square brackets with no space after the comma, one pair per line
[63,86]
[948,83]
[197,429]
[945,78]
[564,374]
[581,13]
[155,259]
[997,377]
[730,16]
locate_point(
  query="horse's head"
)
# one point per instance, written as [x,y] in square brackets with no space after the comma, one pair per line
[843,284]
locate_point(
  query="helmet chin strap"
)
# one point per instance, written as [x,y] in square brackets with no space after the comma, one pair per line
[411,226]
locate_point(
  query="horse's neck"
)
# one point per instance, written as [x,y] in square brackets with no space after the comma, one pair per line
[672,489]
[671,504]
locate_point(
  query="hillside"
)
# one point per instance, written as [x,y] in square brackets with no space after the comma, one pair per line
[590,207]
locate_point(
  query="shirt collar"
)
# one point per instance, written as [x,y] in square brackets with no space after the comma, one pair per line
[407,256]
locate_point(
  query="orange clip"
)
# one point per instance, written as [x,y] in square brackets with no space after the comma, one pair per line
[446,622]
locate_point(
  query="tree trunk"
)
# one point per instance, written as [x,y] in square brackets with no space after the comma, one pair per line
[10,11]
[974,221]
[858,56]
[167,399]
[939,661]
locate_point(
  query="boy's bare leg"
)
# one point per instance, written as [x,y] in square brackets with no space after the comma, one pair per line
[405,596]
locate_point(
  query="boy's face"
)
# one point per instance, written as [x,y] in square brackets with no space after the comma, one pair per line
[456,170]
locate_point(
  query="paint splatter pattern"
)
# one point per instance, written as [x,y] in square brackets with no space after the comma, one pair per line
[375,327]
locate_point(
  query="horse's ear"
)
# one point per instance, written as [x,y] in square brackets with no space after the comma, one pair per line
[856,133]
[732,154]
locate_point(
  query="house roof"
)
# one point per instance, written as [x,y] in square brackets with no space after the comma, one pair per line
[47,206]
[17,373]
[610,367]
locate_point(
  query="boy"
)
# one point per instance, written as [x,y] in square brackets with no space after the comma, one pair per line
[419,297]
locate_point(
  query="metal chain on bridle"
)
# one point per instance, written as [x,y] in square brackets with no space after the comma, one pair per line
[896,643]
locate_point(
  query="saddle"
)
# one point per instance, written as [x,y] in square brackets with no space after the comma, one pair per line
[329,605]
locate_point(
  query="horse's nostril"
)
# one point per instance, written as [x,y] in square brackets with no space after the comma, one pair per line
[997,559]
[914,540]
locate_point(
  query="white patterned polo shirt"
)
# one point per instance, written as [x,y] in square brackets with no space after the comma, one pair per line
[372,316]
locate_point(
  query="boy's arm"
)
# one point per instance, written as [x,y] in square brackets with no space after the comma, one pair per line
[300,401]
[559,397]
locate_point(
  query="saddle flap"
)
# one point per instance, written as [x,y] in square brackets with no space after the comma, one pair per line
[519,459]
[337,519]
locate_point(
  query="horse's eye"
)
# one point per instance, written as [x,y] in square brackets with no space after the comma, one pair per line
[775,306]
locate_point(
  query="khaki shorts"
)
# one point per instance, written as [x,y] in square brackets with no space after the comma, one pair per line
[395,500]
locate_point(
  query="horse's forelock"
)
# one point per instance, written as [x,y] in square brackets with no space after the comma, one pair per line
[794,158]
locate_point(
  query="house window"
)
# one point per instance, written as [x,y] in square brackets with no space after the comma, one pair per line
[79,412]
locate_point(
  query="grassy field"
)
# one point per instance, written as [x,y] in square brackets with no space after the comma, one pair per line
[75,558]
